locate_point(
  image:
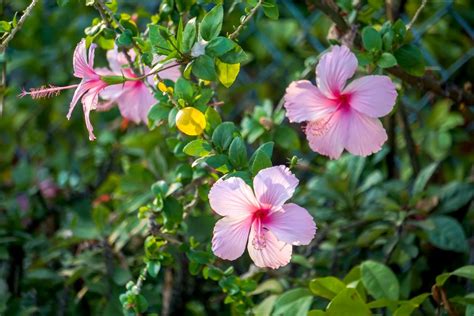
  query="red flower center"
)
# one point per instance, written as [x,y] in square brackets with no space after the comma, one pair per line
[344,101]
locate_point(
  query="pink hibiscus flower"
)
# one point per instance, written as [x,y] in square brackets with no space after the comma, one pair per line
[341,117]
[134,99]
[89,87]
[270,226]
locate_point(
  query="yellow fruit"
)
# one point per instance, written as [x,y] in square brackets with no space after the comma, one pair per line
[190,121]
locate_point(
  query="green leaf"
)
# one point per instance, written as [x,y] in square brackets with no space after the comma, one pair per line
[261,161]
[409,57]
[153,268]
[387,40]
[371,39]
[141,304]
[198,148]
[172,212]
[270,9]
[364,58]
[100,216]
[227,73]
[296,302]
[238,153]
[219,162]
[446,233]
[400,30]
[213,119]
[219,46]
[387,60]
[234,56]
[270,285]
[125,39]
[266,306]
[423,178]
[464,272]
[267,148]
[211,24]
[223,135]
[442,278]
[287,138]
[408,307]
[455,195]
[348,302]
[183,89]
[327,287]
[158,113]
[189,36]
[203,68]
[159,43]
[380,281]
[5,27]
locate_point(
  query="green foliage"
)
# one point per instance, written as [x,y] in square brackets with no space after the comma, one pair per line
[124,225]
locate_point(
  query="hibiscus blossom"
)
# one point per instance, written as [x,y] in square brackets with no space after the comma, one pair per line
[89,87]
[341,116]
[134,99]
[270,226]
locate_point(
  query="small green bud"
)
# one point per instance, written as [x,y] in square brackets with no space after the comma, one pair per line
[293,162]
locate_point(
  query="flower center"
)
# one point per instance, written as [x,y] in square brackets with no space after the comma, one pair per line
[344,101]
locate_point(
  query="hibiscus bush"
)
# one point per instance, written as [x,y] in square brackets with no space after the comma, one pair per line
[257,157]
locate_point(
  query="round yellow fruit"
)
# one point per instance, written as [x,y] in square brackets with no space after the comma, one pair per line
[190,121]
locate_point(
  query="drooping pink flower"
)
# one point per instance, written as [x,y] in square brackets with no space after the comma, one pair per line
[87,90]
[134,99]
[89,87]
[270,226]
[341,116]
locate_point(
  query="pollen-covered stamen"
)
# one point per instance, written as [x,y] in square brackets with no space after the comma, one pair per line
[45,91]
[259,242]
[319,127]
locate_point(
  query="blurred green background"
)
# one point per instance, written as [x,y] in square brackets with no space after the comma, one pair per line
[69,234]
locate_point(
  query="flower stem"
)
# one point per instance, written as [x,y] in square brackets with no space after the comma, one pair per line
[245,21]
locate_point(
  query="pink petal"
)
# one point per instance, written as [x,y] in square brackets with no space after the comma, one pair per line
[112,92]
[117,60]
[232,197]
[80,63]
[92,54]
[273,254]
[304,102]
[365,134]
[135,102]
[89,103]
[328,136]
[292,225]
[274,185]
[171,73]
[334,69]
[230,237]
[374,96]
[80,90]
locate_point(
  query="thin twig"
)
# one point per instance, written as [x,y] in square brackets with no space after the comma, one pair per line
[417,13]
[245,21]
[106,9]
[18,26]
